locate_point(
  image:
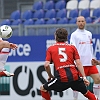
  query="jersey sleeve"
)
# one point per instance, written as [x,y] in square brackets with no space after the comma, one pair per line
[48,55]
[72,39]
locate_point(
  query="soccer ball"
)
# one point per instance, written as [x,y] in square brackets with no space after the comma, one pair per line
[5,31]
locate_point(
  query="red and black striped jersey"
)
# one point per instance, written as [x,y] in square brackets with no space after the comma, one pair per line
[63,56]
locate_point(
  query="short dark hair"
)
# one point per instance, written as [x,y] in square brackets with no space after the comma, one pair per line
[61,35]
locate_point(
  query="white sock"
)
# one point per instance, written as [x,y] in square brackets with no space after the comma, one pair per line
[75,95]
[96,89]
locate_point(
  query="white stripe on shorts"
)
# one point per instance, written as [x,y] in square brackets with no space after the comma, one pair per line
[52,82]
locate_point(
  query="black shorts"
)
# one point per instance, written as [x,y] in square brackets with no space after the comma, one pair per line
[59,86]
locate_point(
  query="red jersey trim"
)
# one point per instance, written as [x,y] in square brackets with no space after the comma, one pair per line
[4,52]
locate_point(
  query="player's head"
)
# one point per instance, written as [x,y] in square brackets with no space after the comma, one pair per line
[61,35]
[81,22]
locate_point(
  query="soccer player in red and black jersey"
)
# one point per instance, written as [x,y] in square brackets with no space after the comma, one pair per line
[63,56]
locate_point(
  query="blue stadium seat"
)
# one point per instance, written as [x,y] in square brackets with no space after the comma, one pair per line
[37,5]
[85,13]
[39,21]
[15,15]
[51,21]
[61,14]
[40,30]
[60,5]
[73,13]
[73,21]
[96,12]
[88,20]
[62,21]
[50,14]
[27,15]
[16,22]
[38,14]
[49,5]
[28,22]
[6,22]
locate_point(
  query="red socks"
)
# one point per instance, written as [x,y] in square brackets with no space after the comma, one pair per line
[45,95]
[90,96]
[2,74]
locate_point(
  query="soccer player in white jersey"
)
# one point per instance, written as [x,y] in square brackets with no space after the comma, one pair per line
[82,40]
[4,52]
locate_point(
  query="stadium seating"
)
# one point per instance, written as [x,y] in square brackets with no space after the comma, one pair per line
[38,14]
[51,21]
[16,22]
[96,13]
[72,21]
[6,22]
[83,4]
[40,30]
[62,21]
[49,5]
[37,6]
[50,14]
[73,13]
[71,5]
[15,15]
[85,13]
[60,5]
[94,4]
[39,21]
[28,22]
[27,15]
[61,14]
[88,20]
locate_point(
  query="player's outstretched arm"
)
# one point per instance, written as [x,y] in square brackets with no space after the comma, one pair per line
[48,70]
[81,69]
[6,44]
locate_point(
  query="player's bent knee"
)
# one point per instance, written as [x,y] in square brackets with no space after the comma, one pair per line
[42,89]
[97,80]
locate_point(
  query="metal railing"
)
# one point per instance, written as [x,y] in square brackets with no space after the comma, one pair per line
[29,30]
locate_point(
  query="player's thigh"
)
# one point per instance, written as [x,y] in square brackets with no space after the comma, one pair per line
[56,85]
[96,78]
[79,86]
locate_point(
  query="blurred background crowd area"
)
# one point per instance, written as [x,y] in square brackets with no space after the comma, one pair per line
[42,13]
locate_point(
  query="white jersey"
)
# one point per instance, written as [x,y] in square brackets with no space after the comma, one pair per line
[3,57]
[82,40]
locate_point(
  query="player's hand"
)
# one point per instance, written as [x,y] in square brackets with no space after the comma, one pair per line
[50,77]
[13,46]
[94,62]
[86,82]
